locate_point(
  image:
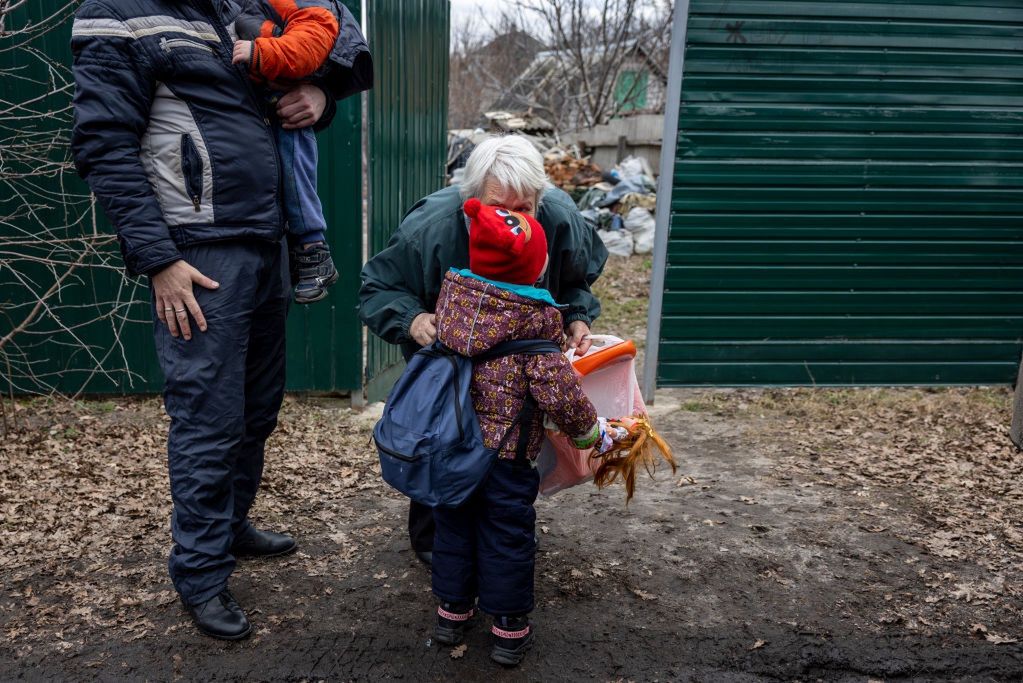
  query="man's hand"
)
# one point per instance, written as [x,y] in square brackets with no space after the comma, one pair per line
[424,329]
[242,52]
[578,331]
[175,300]
[301,107]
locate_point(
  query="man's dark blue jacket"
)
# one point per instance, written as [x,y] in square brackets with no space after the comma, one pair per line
[176,142]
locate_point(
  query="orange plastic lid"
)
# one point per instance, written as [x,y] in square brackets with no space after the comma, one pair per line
[605,356]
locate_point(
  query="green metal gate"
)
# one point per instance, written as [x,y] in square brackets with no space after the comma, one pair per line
[846,204]
[407,134]
[325,352]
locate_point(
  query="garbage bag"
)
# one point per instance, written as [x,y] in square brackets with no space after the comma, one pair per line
[642,225]
[618,242]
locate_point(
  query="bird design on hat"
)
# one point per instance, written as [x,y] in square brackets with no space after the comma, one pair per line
[516,221]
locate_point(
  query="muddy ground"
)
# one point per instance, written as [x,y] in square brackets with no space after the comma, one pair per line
[849,535]
[760,560]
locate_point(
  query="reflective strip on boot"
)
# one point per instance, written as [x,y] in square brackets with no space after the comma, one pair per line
[453,616]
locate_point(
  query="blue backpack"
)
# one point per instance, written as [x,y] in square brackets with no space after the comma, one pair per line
[429,440]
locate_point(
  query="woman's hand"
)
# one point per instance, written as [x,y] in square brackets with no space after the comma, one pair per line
[578,337]
[424,329]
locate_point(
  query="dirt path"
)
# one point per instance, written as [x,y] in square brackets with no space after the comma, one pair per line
[743,569]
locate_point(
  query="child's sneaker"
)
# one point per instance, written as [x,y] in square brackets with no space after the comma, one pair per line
[452,620]
[312,272]
[512,637]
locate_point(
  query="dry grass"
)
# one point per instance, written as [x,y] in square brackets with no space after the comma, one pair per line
[943,452]
[624,292]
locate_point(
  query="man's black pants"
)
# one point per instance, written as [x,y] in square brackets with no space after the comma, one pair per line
[223,390]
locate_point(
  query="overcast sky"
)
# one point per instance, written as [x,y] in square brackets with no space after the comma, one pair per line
[460,9]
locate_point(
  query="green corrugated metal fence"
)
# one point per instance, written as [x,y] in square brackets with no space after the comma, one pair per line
[325,339]
[407,133]
[846,204]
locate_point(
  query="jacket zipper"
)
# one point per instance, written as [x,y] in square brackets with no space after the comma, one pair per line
[214,17]
[191,170]
[174,43]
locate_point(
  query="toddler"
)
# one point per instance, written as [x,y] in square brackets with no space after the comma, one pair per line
[485,549]
[291,44]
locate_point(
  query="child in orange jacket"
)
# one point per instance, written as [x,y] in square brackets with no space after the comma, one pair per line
[285,43]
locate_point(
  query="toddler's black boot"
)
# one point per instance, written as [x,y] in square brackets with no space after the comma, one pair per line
[452,620]
[313,272]
[512,637]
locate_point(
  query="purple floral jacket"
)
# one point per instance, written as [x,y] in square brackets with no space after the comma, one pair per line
[473,316]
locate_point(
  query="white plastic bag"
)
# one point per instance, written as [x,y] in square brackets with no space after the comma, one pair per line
[618,242]
[642,225]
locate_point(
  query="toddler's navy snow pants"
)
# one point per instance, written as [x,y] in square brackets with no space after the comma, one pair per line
[487,547]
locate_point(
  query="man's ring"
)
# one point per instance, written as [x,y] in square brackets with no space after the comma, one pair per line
[181,311]
[169,308]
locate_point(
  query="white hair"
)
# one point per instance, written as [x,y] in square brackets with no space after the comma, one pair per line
[510,160]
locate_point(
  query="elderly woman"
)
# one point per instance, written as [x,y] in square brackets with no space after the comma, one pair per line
[400,285]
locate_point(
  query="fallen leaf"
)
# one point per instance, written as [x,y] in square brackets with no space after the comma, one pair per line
[758,644]
[644,595]
[459,652]
[998,640]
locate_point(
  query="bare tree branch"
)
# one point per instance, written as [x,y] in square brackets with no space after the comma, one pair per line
[593,42]
[52,251]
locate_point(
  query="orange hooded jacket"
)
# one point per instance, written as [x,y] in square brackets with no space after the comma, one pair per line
[296,50]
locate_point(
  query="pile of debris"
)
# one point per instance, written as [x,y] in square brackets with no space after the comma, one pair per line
[572,174]
[621,207]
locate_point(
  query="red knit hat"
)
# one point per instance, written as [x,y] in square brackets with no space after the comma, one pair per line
[505,245]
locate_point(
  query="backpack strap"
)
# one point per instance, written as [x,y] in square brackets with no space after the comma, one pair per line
[530,347]
[523,419]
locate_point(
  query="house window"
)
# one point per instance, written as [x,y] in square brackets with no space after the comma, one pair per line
[630,91]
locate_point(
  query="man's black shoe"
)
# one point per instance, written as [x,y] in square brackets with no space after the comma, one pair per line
[425,556]
[255,543]
[220,617]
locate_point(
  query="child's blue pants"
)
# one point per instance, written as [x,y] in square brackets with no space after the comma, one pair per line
[302,207]
[487,547]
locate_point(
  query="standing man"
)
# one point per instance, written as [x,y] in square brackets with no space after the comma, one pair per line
[400,285]
[178,147]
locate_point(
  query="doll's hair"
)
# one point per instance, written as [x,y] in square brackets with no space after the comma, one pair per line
[510,160]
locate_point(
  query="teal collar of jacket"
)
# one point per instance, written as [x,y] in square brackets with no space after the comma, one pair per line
[525,291]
